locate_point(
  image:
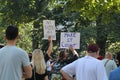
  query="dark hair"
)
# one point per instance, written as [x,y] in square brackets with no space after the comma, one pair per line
[118,57]
[11,32]
[62,54]
[92,48]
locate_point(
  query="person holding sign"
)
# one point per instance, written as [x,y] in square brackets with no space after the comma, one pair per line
[64,60]
[48,58]
[63,56]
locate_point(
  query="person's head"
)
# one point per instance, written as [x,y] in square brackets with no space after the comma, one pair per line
[118,58]
[63,55]
[93,50]
[108,55]
[38,61]
[11,33]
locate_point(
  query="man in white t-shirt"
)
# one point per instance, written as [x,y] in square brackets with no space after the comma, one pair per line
[86,68]
[14,62]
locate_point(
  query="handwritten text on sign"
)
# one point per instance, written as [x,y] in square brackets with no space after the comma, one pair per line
[70,39]
[49,29]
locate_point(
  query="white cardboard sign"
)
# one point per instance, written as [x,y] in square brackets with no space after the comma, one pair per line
[49,29]
[70,39]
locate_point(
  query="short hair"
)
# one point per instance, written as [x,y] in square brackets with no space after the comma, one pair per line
[11,32]
[118,57]
[92,48]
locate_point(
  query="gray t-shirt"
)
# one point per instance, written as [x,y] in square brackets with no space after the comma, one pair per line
[12,59]
[109,65]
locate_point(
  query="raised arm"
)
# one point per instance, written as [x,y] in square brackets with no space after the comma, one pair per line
[49,51]
[73,51]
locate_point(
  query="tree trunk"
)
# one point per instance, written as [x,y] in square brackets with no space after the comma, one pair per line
[35,41]
[101,35]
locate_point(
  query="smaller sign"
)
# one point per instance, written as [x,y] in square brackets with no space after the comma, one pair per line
[70,39]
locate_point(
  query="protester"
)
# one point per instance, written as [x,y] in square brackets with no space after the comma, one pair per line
[63,60]
[14,62]
[109,63]
[48,58]
[39,66]
[115,74]
[86,68]
[63,56]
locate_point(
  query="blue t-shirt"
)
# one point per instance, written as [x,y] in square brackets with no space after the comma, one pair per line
[115,74]
[12,59]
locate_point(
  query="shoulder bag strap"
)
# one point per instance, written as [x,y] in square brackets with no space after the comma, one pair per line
[106,62]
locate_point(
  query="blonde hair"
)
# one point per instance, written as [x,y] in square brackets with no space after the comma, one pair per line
[38,61]
[109,55]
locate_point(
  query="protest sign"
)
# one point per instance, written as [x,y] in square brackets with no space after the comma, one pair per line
[70,39]
[49,29]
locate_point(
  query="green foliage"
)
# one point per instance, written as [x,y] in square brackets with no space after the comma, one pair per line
[25,32]
[2,35]
[96,20]
[16,11]
[20,12]
[105,13]
[114,47]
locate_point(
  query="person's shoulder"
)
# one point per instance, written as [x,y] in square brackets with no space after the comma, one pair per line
[97,61]
[116,70]
[21,50]
[112,61]
[80,59]
[100,61]
[104,59]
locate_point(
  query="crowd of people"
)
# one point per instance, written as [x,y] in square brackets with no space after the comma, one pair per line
[16,64]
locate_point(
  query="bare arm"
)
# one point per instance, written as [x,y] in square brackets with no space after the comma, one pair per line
[65,75]
[73,51]
[46,78]
[27,71]
[49,51]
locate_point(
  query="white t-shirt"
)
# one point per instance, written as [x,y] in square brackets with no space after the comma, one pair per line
[86,68]
[48,65]
[11,61]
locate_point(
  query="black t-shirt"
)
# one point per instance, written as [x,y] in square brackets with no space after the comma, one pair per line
[40,76]
[61,63]
[46,57]
[36,76]
[70,60]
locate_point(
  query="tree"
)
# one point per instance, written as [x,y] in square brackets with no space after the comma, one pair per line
[98,21]
[100,11]
[19,12]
